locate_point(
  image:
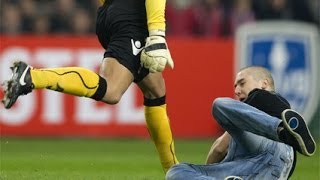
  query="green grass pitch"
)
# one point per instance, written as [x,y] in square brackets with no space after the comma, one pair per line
[118,159]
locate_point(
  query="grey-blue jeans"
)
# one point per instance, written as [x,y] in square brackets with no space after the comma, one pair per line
[254,152]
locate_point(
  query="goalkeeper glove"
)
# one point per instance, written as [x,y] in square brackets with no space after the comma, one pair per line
[156,55]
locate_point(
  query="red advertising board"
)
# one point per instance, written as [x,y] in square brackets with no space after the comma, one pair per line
[203,71]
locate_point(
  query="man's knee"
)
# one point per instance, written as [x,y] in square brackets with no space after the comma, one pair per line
[179,172]
[113,96]
[219,105]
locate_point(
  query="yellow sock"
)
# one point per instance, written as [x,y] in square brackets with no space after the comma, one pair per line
[71,80]
[160,132]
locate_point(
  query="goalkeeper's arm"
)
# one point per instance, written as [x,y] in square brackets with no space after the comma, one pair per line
[156,55]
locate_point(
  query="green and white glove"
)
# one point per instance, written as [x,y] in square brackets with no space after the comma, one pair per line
[156,55]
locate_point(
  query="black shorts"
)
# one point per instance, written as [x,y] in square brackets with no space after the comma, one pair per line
[122,29]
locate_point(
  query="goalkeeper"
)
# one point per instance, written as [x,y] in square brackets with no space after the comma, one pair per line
[132,33]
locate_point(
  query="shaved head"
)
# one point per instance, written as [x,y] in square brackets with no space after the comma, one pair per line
[260,73]
[250,78]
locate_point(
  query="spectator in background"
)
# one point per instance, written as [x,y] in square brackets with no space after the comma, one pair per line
[60,18]
[209,16]
[201,18]
[90,6]
[283,9]
[240,13]
[81,22]
[180,18]
[10,19]
[28,13]
[41,25]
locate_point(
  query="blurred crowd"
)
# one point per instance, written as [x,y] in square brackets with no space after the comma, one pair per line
[203,18]
[47,16]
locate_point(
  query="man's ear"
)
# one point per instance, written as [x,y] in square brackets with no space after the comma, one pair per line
[265,84]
